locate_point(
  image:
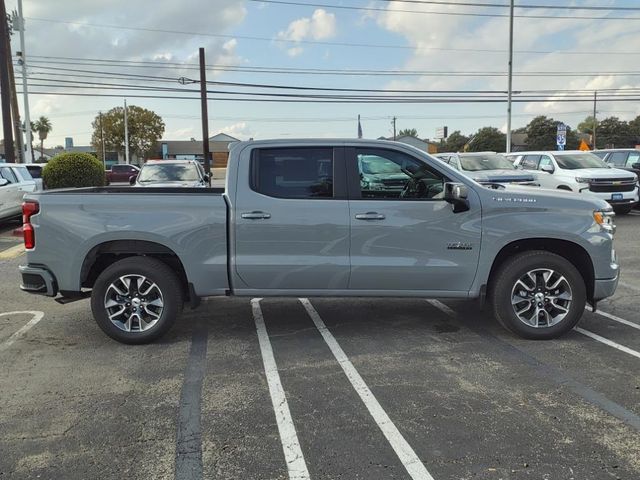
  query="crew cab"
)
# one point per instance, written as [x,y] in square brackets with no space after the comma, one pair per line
[296,219]
[582,172]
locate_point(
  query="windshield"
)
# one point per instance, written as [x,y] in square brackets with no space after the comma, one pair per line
[573,161]
[378,166]
[170,172]
[485,161]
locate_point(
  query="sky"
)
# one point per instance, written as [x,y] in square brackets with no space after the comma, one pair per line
[411,46]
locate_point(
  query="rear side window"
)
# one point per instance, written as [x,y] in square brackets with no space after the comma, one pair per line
[35,171]
[293,172]
[634,157]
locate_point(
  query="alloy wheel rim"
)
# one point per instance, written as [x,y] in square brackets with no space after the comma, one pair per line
[133,303]
[541,298]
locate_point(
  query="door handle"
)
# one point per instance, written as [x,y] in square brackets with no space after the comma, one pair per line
[256,215]
[370,216]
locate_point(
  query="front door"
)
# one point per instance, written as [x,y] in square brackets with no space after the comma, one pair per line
[404,235]
[291,219]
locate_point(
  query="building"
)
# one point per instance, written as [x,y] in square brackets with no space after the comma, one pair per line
[192,149]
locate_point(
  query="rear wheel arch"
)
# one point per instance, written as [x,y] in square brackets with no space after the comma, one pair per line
[105,254]
[565,187]
[571,251]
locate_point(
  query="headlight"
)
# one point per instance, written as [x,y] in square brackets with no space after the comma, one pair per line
[604,218]
[583,180]
[372,185]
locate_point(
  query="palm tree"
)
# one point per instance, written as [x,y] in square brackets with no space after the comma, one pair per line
[43,127]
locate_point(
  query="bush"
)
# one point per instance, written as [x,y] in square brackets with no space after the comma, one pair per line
[71,169]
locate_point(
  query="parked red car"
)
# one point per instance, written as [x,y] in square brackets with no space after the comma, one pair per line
[120,173]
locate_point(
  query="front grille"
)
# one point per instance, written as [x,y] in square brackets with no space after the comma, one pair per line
[612,185]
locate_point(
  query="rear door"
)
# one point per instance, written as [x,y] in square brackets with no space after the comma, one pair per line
[291,219]
[406,237]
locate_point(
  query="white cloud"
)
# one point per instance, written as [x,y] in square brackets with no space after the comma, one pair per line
[320,26]
[239,130]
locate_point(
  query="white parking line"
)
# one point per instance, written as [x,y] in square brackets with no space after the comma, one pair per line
[608,342]
[592,335]
[288,437]
[12,252]
[37,316]
[405,453]
[614,318]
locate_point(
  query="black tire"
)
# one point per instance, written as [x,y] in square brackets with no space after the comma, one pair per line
[623,210]
[158,273]
[503,284]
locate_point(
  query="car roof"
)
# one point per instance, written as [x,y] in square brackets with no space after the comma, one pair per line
[550,152]
[617,150]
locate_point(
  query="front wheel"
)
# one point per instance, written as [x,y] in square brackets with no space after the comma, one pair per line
[136,300]
[538,295]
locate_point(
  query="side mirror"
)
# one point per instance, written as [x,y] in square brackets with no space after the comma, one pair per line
[457,195]
[636,166]
[207,177]
[132,179]
[547,168]
[3,182]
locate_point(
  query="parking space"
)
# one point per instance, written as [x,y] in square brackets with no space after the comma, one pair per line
[324,389]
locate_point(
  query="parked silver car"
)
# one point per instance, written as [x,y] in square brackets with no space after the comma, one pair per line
[171,173]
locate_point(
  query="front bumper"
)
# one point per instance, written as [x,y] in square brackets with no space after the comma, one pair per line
[38,280]
[605,288]
[628,198]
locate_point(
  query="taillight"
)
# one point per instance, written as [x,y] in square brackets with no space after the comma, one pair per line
[29,208]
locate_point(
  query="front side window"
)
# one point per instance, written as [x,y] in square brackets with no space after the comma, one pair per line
[387,174]
[7,174]
[634,157]
[545,161]
[618,159]
[530,162]
[293,172]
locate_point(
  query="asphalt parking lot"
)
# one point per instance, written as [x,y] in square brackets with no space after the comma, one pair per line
[321,389]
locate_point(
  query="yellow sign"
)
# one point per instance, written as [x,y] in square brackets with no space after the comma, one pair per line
[584,146]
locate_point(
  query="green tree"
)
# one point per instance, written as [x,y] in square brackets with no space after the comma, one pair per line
[487,139]
[43,127]
[586,126]
[454,142]
[635,128]
[73,169]
[145,129]
[542,134]
[615,133]
[408,132]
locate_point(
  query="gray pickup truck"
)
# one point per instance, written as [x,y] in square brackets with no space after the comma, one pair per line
[299,218]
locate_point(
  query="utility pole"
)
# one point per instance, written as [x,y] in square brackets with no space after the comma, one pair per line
[126,134]
[17,129]
[394,128]
[510,87]
[205,114]
[28,154]
[595,120]
[104,153]
[5,86]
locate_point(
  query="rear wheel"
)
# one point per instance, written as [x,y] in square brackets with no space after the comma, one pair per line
[136,300]
[538,295]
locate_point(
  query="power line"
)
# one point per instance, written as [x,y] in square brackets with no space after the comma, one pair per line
[448,13]
[502,5]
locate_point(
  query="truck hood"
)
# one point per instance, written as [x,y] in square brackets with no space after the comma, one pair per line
[547,198]
[600,173]
[502,175]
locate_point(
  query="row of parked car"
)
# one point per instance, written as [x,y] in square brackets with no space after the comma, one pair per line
[611,175]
